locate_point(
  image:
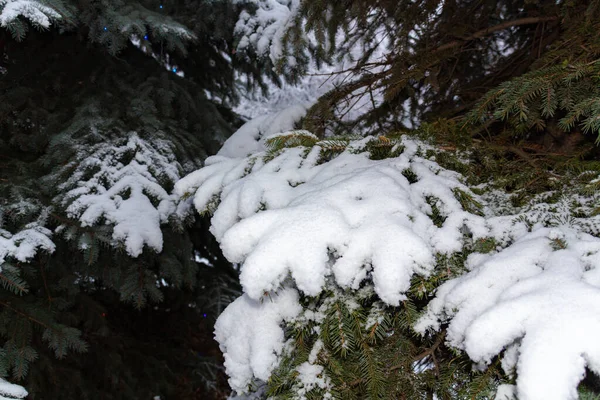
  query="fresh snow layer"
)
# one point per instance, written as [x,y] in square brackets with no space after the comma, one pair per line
[294,222]
[36,11]
[9,391]
[532,296]
[125,190]
[250,138]
[349,218]
[251,338]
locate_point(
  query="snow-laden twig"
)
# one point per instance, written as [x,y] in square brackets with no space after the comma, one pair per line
[24,244]
[123,184]
[10,391]
[302,218]
[35,11]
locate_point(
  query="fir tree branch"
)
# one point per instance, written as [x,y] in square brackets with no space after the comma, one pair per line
[428,352]
[29,317]
[42,269]
[492,29]
[20,287]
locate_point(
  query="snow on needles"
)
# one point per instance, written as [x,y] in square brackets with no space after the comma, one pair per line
[540,294]
[9,391]
[123,184]
[349,218]
[299,219]
[24,244]
[251,338]
[37,12]
[264,29]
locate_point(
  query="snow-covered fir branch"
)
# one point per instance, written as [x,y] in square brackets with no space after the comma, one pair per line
[123,183]
[304,215]
[24,244]
[39,13]
[9,391]
[263,30]
[22,240]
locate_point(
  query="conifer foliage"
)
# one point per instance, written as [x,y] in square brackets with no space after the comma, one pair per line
[427,229]
[436,62]
[99,117]
[374,272]
[444,244]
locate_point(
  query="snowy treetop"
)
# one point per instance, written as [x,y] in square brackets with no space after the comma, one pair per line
[301,214]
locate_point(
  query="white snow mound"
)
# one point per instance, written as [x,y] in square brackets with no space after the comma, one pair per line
[541,296]
[250,336]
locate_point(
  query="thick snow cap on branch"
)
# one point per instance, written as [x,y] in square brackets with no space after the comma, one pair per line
[9,391]
[349,218]
[125,189]
[251,338]
[540,297]
[36,11]
[297,217]
[24,244]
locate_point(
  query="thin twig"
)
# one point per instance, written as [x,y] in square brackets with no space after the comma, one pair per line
[428,352]
[492,29]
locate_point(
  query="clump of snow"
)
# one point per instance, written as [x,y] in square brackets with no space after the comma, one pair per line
[301,219]
[250,138]
[505,392]
[264,30]
[10,391]
[540,295]
[312,375]
[36,11]
[122,184]
[362,213]
[250,336]
[24,244]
